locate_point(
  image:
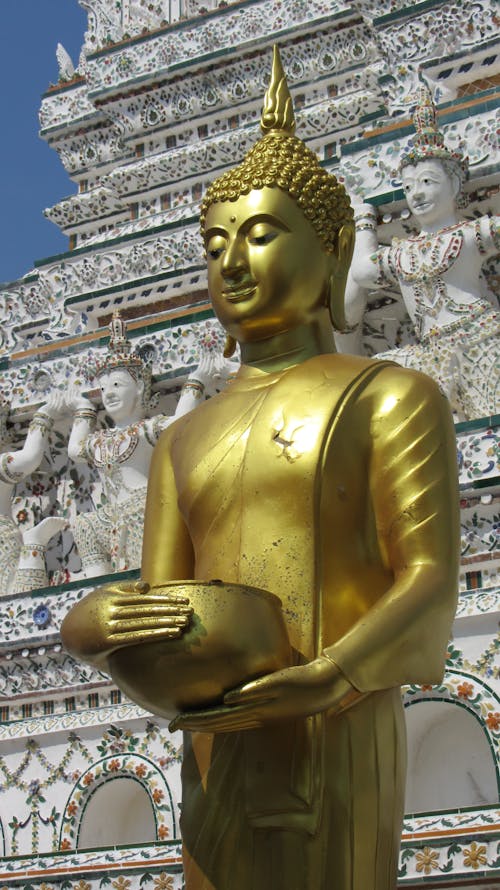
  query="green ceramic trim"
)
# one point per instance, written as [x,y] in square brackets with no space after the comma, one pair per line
[76,585]
[469,809]
[460,54]
[182,24]
[482,423]
[122,239]
[451,117]
[64,87]
[412,10]
[132,285]
[479,483]
[75,348]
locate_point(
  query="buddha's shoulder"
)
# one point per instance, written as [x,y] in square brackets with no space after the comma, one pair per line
[375,378]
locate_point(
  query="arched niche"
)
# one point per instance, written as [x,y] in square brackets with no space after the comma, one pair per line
[450,760]
[120,811]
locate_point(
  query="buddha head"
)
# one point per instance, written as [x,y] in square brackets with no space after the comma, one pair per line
[278,231]
[432,175]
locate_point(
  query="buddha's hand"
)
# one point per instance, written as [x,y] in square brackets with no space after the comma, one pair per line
[287,694]
[119,615]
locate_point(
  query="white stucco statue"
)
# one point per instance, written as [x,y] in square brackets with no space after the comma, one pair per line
[456,317]
[22,554]
[109,539]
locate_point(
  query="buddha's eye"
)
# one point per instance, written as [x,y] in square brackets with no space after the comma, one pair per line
[260,240]
[215,252]
[262,234]
[216,246]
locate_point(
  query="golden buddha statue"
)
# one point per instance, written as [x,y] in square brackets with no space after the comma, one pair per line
[327,479]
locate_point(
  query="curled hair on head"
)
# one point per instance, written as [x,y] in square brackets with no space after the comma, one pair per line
[281,160]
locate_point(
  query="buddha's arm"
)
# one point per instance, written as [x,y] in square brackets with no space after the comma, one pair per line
[167,552]
[413,480]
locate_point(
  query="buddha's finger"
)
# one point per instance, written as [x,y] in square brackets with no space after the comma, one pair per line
[148,634]
[251,697]
[159,609]
[144,599]
[226,723]
[154,623]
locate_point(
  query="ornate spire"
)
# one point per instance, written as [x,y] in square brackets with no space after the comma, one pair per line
[428,141]
[277,114]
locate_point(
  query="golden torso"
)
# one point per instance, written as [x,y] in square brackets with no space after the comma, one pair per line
[247,469]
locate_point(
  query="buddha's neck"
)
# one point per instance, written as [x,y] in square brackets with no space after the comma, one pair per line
[290,347]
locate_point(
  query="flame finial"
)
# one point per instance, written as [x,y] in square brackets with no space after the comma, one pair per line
[277,114]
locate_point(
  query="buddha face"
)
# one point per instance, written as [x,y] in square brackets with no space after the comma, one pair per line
[431,193]
[267,269]
[121,395]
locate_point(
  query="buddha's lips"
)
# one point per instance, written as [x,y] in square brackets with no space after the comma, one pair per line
[240,293]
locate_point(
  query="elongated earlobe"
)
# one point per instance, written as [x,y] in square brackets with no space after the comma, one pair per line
[341,262]
[229,346]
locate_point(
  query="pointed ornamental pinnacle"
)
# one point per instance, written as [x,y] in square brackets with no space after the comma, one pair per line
[277,114]
[425,119]
[118,341]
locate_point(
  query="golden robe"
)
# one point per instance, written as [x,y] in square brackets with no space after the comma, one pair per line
[333,485]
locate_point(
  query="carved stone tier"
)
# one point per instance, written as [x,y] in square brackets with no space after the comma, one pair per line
[244,26]
[170,342]
[74,212]
[369,167]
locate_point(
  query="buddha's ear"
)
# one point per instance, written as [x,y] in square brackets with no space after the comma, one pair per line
[229,346]
[341,261]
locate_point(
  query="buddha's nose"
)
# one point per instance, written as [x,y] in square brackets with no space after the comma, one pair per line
[235,260]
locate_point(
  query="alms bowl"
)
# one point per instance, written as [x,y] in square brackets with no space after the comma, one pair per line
[236,634]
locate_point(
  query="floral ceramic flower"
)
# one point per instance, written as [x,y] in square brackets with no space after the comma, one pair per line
[157,795]
[140,770]
[164,882]
[121,883]
[475,856]
[427,859]
[465,690]
[493,720]
[114,765]
[88,779]
[82,885]
[163,832]
[65,844]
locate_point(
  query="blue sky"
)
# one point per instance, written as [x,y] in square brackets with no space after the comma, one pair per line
[31,174]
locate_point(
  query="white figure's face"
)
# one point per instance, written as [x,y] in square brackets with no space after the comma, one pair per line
[430,193]
[121,396]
